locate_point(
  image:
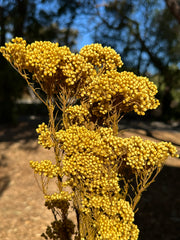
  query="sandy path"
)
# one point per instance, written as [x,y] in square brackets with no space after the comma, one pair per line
[23,215]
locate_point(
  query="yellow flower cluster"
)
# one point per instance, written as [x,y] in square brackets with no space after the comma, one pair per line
[81,140]
[77,114]
[15,52]
[111,206]
[87,159]
[90,157]
[44,58]
[101,57]
[58,200]
[138,94]
[115,229]
[59,196]
[44,137]
[50,64]
[124,90]
[94,161]
[87,152]
[114,216]
[46,168]
[91,74]
[76,70]
[143,154]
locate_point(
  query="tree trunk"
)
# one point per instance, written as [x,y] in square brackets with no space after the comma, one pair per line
[167,96]
[174,7]
[21,12]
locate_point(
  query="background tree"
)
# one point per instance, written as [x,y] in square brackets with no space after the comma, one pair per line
[174,7]
[32,20]
[10,89]
[145,33]
[147,42]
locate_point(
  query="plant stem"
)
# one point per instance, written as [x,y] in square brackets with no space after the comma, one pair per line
[53,132]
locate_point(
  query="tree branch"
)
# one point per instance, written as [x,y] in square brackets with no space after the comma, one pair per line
[174,7]
[134,28]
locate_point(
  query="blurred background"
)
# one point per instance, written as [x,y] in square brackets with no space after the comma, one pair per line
[146,33]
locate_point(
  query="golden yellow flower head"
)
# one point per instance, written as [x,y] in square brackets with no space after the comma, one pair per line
[124,90]
[44,137]
[44,59]
[91,74]
[143,154]
[51,65]
[101,57]
[15,52]
[46,168]
[77,114]
[114,228]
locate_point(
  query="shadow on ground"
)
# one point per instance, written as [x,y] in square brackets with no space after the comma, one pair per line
[4,183]
[158,217]
[4,177]
[25,130]
[9,134]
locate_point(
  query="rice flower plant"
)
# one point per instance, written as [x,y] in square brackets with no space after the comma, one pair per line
[100,173]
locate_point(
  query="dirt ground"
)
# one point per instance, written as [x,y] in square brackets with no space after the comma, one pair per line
[22,213]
